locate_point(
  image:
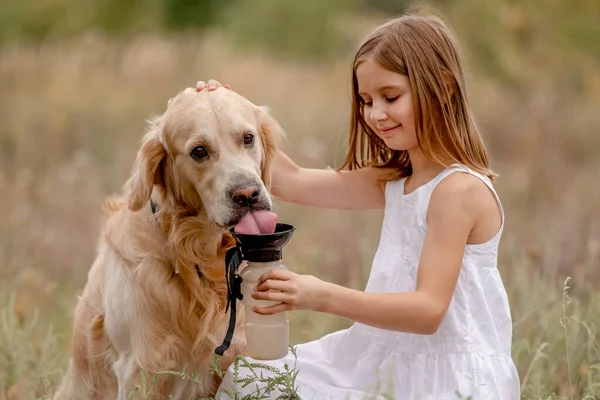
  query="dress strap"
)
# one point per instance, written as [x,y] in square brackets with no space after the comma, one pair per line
[461,168]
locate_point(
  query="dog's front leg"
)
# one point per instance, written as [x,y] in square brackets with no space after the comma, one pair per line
[127,373]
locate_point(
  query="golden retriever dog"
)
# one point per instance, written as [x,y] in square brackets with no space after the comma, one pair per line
[156,294]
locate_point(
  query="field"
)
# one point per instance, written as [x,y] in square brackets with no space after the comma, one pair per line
[73,112]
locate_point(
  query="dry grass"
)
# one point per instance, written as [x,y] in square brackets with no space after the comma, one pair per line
[72,116]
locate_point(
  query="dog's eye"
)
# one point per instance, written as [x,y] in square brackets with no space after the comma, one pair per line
[248,140]
[199,152]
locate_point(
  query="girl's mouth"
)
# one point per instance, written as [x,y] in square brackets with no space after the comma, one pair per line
[387,131]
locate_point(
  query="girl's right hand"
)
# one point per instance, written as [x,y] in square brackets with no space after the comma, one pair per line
[211,85]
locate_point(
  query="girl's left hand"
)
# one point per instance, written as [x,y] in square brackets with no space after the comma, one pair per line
[295,292]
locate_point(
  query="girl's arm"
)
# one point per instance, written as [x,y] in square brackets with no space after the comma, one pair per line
[455,210]
[343,190]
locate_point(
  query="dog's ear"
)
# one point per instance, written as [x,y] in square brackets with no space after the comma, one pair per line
[147,171]
[271,135]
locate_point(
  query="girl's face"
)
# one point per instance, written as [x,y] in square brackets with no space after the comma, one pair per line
[388,105]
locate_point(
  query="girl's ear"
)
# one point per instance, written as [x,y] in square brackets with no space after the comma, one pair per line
[449,83]
[147,171]
[271,135]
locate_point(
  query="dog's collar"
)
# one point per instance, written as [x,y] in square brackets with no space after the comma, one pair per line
[233,259]
[155,207]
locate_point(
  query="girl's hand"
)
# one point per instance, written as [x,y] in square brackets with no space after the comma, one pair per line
[295,292]
[211,85]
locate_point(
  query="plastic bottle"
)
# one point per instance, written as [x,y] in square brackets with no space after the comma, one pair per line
[267,336]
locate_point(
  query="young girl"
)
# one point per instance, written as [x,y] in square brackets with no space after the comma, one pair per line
[434,321]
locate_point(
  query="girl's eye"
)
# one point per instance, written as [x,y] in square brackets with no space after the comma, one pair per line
[367,103]
[391,99]
[198,153]
[248,140]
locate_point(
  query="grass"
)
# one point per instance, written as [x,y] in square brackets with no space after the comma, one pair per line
[73,113]
[30,362]
[270,381]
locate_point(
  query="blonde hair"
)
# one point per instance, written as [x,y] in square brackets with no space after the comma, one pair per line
[423,49]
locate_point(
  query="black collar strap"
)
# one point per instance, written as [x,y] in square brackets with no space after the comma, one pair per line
[233,259]
[154,206]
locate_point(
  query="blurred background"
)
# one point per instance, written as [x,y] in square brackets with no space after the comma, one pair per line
[78,80]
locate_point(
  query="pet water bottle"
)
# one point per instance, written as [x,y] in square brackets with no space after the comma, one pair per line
[267,336]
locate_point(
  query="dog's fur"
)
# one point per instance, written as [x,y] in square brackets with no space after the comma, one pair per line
[146,306]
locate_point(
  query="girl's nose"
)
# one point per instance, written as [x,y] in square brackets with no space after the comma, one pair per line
[377,114]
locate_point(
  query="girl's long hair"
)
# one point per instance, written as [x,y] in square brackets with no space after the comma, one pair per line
[423,49]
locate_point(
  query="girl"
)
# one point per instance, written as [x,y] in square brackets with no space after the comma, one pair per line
[434,321]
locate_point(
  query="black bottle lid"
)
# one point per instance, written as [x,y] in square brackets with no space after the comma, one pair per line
[264,247]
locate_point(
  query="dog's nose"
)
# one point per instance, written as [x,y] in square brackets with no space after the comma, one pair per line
[246,195]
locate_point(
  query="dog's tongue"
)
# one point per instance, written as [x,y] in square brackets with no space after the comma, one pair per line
[257,222]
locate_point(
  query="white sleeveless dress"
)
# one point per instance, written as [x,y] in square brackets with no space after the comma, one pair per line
[470,354]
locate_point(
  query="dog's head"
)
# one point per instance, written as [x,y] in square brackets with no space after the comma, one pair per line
[210,152]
